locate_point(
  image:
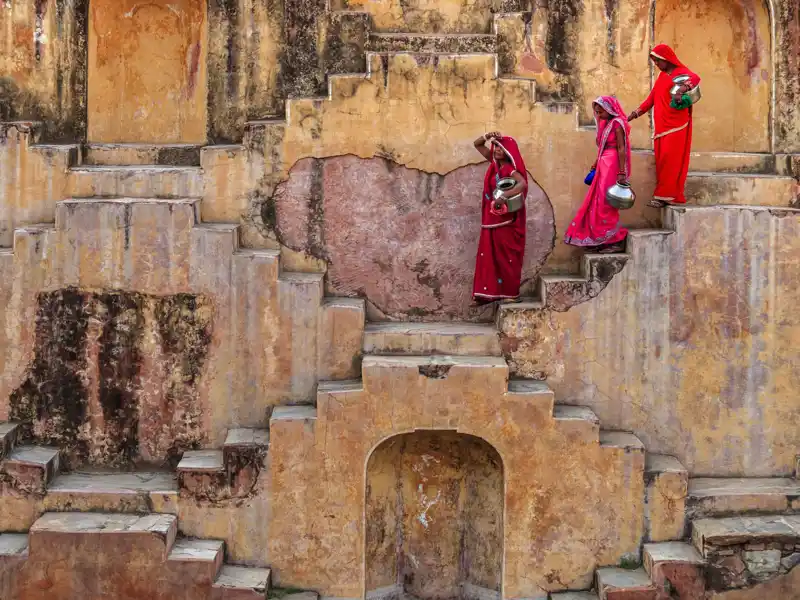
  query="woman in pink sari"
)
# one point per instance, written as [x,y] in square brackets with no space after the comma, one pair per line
[498,266]
[596,224]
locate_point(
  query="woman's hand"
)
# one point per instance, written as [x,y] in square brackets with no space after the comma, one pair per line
[634,115]
[622,178]
[492,135]
[594,166]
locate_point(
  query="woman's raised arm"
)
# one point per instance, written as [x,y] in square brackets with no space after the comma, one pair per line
[480,144]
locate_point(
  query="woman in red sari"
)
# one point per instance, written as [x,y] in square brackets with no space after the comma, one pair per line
[672,139]
[498,266]
[596,223]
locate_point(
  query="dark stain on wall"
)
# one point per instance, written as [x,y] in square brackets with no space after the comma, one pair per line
[302,67]
[84,391]
[53,397]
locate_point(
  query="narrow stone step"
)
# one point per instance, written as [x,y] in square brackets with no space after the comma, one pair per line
[623,584]
[718,497]
[420,339]
[342,338]
[535,396]
[134,492]
[138,181]
[133,214]
[422,43]
[31,468]
[432,367]
[710,189]
[709,536]
[732,162]
[579,423]
[666,481]
[294,413]
[242,583]
[154,532]
[574,596]
[621,439]
[676,566]
[243,454]
[203,557]
[13,545]
[142,154]
[202,475]
[8,438]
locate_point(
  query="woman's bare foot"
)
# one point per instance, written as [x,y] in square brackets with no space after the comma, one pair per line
[617,248]
[657,203]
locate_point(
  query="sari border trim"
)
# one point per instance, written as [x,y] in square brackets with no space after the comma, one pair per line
[500,296]
[676,130]
[496,225]
[661,57]
[589,241]
[664,198]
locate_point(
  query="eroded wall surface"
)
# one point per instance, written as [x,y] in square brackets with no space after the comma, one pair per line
[692,346]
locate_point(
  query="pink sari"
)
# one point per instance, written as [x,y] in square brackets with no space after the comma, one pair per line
[597,222]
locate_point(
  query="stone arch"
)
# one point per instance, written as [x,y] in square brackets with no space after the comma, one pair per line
[433,516]
[731,45]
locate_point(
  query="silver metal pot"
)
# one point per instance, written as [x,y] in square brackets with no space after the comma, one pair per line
[515,202]
[693,93]
[620,196]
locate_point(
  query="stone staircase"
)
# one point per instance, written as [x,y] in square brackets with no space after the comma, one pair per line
[168,566]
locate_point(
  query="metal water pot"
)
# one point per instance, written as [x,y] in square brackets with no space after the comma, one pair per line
[620,196]
[694,93]
[515,202]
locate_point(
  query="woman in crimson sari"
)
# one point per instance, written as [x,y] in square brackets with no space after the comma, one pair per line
[672,139]
[596,223]
[498,267]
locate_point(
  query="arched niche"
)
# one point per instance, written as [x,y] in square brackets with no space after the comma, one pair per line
[434,517]
[729,44]
[147,76]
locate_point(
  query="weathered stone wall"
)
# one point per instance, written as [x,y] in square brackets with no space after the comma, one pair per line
[434,515]
[692,346]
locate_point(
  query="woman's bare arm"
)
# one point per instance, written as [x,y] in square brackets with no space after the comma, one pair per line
[623,157]
[480,144]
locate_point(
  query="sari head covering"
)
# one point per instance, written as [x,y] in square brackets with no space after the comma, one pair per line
[605,128]
[666,53]
[509,146]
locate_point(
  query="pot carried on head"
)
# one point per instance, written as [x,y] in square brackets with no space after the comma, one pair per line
[620,196]
[514,203]
[693,94]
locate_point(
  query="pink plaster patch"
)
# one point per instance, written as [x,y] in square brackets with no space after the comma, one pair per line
[402,238]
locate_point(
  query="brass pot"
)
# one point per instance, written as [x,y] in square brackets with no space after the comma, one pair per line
[515,202]
[620,196]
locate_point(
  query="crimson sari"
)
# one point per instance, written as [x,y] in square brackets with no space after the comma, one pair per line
[672,139]
[501,248]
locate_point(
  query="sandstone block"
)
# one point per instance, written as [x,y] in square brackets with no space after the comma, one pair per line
[719,497]
[675,565]
[578,423]
[340,338]
[708,189]
[241,583]
[201,474]
[666,481]
[201,559]
[622,584]
[243,454]
[30,468]
[422,339]
[8,437]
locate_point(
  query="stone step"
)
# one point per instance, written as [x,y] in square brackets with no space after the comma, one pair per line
[732,162]
[142,154]
[203,557]
[621,439]
[537,394]
[31,468]
[241,583]
[201,474]
[666,481]
[8,438]
[710,189]
[13,553]
[108,491]
[381,367]
[342,322]
[579,423]
[293,413]
[420,339]
[137,181]
[573,596]
[718,497]
[55,534]
[709,536]
[432,43]
[613,583]
[116,214]
[676,565]
[243,454]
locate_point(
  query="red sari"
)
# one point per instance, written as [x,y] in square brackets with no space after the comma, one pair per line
[672,139]
[498,266]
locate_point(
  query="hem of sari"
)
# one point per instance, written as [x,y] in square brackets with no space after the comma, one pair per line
[670,199]
[496,225]
[573,241]
[493,296]
[665,133]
